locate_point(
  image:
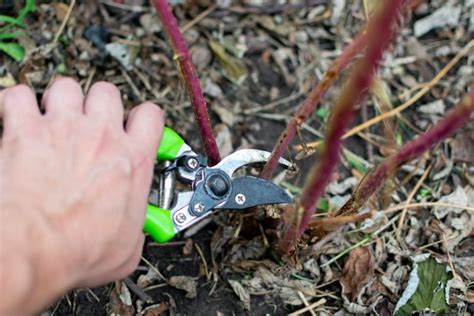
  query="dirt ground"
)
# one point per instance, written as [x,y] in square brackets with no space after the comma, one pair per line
[257,60]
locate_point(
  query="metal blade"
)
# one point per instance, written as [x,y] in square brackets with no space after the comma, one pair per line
[244,157]
[250,191]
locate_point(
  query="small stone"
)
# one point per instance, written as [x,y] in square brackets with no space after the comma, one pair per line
[150,23]
[201,56]
[301,37]
[436,107]
[191,36]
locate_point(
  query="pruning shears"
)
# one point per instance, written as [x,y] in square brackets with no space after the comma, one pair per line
[212,188]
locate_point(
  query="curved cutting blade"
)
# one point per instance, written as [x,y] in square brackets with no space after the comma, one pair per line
[245,157]
[248,191]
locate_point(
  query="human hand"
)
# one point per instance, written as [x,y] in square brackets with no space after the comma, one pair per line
[73,190]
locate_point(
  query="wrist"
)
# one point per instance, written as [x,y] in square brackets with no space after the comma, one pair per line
[35,269]
[16,275]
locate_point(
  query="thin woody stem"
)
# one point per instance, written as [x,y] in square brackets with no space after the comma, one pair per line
[312,101]
[456,118]
[380,30]
[190,78]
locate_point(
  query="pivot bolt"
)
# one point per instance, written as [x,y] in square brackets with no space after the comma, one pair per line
[198,208]
[240,198]
[218,185]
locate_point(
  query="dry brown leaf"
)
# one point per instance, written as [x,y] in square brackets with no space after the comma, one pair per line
[61,9]
[358,270]
[147,279]
[120,303]
[155,310]
[188,247]
[235,69]
[243,295]
[250,265]
[185,283]
[463,145]
[264,281]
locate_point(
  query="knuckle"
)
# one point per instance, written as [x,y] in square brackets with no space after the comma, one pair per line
[142,161]
[125,166]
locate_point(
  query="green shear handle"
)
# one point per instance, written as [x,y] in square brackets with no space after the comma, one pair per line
[158,223]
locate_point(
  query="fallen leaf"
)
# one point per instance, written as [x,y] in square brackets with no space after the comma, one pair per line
[435,107]
[123,53]
[155,310]
[462,145]
[61,9]
[234,68]
[7,81]
[445,16]
[243,295]
[224,140]
[426,288]
[188,247]
[120,301]
[147,279]
[251,265]
[185,283]
[458,196]
[253,249]
[339,188]
[279,286]
[358,270]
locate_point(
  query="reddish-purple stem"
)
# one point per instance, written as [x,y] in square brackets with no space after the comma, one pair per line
[380,30]
[190,78]
[413,149]
[312,101]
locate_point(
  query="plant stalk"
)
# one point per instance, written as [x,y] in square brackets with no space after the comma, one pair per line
[380,30]
[190,78]
[456,118]
[312,101]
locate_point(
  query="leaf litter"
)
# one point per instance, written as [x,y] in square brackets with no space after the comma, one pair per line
[257,60]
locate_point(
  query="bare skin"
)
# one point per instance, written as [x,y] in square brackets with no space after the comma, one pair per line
[73,190]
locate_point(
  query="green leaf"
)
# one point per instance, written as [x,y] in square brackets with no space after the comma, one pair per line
[424,192]
[61,68]
[322,113]
[426,287]
[399,138]
[10,35]
[355,161]
[14,50]
[9,20]
[29,7]
[323,205]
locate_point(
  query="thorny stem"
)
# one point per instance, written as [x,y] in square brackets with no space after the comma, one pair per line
[380,30]
[190,78]
[312,101]
[413,149]
[316,95]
